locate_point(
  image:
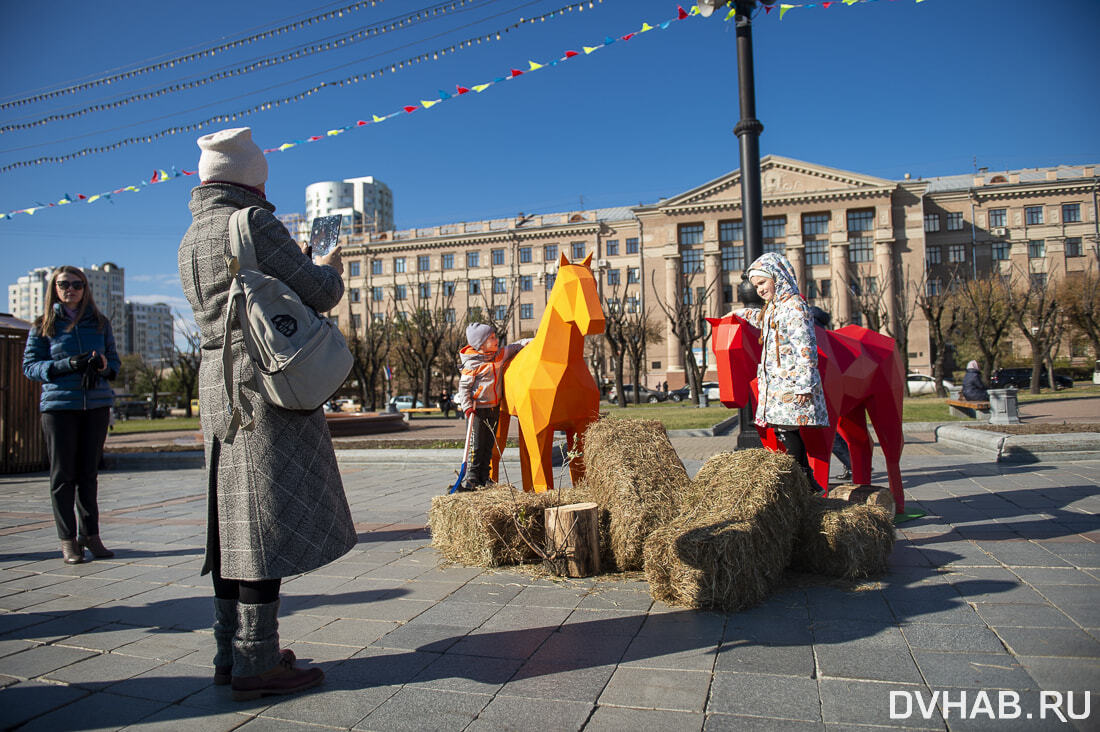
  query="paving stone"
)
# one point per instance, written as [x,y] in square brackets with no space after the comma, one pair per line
[375,666]
[329,706]
[1039,576]
[100,671]
[470,674]
[867,661]
[732,723]
[29,699]
[462,614]
[105,637]
[359,633]
[593,649]
[796,659]
[670,652]
[1077,674]
[691,626]
[422,636]
[175,717]
[972,670]
[608,718]
[845,703]
[657,689]
[1030,616]
[952,637]
[1022,554]
[605,598]
[517,713]
[102,711]
[1050,642]
[490,594]
[571,680]
[755,695]
[170,682]
[41,660]
[418,709]
[519,644]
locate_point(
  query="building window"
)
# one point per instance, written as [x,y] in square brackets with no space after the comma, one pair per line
[779,247]
[353,269]
[498,257]
[376,266]
[632,277]
[998,217]
[526,283]
[818,289]
[863,220]
[632,245]
[931,222]
[1036,248]
[632,304]
[423,263]
[1071,213]
[861,249]
[730,231]
[526,311]
[932,255]
[1000,251]
[689,234]
[377,294]
[499,286]
[551,278]
[425,289]
[1038,280]
[691,261]
[612,247]
[353,294]
[473,259]
[956,253]
[398,265]
[813,224]
[449,315]
[954,221]
[1033,215]
[474,313]
[473,287]
[576,250]
[733,258]
[817,251]
[550,253]
[448,288]
[525,255]
[1073,247]
[612,276]
[399,292]
[870,285]
[775,227]
[932,288]
[378,317]
[727,293]
[499,312]
[356,321]
[447,261]
[613,305]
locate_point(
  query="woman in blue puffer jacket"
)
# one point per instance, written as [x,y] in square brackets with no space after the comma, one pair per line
[72,350]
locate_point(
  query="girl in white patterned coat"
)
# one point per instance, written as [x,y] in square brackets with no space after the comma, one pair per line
[791,396]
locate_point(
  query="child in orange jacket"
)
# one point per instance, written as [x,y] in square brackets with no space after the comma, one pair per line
[478,396]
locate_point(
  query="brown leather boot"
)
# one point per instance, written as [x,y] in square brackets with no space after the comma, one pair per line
[72,551]
[95,546]
[283,679]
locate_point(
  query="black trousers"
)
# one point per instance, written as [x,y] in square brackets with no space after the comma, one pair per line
[482,443]
[74,439]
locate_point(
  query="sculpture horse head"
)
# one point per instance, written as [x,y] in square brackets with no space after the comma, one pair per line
[574,297]
[736,346]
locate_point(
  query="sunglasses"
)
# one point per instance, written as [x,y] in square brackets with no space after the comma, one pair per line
[65,285]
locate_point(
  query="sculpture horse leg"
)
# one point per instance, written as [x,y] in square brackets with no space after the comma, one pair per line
[503,423]
[819,451]
[574,444]
[853,428]
[536,445]
[886,418]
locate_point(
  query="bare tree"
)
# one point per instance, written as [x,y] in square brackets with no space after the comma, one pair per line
[1037,316]
[687,318]
[942,313]
[639,330]
[595,354]
[874,304]
[614,338]
[419,333]
[185,362]
[370,347]
[1080,292]
[985,316]
[498,308]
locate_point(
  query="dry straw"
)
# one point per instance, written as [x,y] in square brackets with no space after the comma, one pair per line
[634,474]
[730,544]
[841,539]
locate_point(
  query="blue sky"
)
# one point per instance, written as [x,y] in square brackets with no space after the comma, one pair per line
[883,88]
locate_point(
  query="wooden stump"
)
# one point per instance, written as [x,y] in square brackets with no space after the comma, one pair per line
[573,538]
[871,495]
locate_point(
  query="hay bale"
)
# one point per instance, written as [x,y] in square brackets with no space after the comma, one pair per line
[872,495]
[482,528]
[732,540]
[632,472]
[841,539]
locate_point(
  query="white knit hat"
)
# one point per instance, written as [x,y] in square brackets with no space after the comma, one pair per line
[477,334]
[232,156]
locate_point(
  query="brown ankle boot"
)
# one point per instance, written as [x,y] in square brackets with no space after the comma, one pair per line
[283,679]
[95,546]
[72,552]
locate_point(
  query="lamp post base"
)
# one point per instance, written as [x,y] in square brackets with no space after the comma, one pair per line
[747,436]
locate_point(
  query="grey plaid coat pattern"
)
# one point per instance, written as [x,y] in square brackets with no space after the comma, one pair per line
[276,505]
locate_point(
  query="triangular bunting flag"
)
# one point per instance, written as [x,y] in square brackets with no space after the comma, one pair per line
[481,87]
[571,54]
[783,10]
[81,196]
[646,27]
[768,9]
[410,110]
[333,133]
[429,105]
[190,172]
[534,66]
[680,12]
[731,14]
[156,176]
[93,198]
[443,96]
[285,146]
[461,89]
[515,73]
[376,118]
[666,24]
[314,138]
[361,123]
[590,49]
[628,36]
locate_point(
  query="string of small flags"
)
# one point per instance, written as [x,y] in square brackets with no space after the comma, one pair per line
[172,62]
[391,67]
[161,175]
[302,51]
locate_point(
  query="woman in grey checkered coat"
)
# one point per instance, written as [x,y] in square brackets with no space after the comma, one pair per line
[276,504]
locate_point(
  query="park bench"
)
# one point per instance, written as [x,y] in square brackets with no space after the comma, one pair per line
[420,410]
[965,408]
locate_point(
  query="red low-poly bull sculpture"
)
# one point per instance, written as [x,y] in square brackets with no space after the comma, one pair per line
[862,375]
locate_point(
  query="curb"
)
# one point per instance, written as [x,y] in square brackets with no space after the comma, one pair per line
[1005,448]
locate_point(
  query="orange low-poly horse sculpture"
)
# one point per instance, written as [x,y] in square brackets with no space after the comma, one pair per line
[862,375]
[548,386]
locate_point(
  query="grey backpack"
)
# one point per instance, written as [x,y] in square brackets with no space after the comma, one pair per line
[299,357]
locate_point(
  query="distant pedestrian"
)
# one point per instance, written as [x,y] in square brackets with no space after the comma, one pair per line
[973,388]
[71,348]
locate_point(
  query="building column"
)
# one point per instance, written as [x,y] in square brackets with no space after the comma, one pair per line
[796,254]
[672,295]
[884,264]
[713,271]
[838,273]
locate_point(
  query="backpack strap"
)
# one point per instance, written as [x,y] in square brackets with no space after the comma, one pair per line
[242,254]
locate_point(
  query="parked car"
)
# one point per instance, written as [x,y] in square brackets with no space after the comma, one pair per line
[923,384]
[644,394]
[684,392]
[1021,379]
[405,401]
[126,410]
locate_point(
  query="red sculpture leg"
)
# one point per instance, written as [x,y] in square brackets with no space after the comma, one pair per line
[819,451]
[853,428]
[887,422]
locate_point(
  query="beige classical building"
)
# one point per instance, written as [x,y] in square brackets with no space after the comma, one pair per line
[845,233]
